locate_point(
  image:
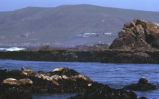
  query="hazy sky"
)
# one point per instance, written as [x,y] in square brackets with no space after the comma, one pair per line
[149,5]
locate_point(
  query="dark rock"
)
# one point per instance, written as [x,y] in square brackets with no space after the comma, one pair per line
[100,91]
[16,74]
[142,98]
[109,56]
[137,34]
[14,92]
[142,85]
[62,80]
[143,81]
[41,72]
[132,57]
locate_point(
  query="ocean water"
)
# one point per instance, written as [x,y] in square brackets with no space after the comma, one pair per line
[114,75]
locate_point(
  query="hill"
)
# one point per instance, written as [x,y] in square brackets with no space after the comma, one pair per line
[66,26]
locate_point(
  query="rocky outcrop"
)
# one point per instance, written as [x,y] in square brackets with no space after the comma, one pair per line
[137,34]
[26,81]
[142,85]
[60,76]
[60,80]
[14,92]
[142,98]
[100,91]
[107,56]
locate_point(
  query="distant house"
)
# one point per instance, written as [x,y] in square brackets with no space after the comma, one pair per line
[84,35]
[108,33]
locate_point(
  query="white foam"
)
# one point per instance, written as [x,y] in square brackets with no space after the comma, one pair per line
[12,49]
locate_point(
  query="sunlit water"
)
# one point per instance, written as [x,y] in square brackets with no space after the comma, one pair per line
[114,75]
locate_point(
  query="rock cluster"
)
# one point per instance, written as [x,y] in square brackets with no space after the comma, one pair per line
[137,34]
[142,85]
[14,92]
[100,91]
[26,82]
[142,98]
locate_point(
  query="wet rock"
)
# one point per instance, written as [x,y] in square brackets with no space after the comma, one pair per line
[57,81]
[142,98]
[61,80]
[142,85]
[15,74]
[41,72]
[13,92]
[100,91]
[66,80]
[143,80]
[62,74]
[132,57]
[137,34]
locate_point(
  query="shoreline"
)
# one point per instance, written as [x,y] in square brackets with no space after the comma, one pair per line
[103,56]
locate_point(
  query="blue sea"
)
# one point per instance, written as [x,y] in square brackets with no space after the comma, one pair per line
[114,75]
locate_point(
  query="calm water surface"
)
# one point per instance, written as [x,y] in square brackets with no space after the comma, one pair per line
[114,75]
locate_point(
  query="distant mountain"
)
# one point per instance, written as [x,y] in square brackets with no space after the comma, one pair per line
[66,26]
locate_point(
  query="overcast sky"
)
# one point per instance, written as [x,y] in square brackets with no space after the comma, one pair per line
[148,5]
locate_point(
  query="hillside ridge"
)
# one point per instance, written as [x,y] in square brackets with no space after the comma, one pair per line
[66,26]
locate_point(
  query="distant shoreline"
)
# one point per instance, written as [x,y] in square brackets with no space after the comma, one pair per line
[105,56]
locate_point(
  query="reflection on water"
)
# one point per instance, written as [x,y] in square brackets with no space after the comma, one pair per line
[115,75]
